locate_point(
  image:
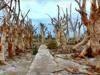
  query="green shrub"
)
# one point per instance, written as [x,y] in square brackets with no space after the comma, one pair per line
[34,50]
[52,44]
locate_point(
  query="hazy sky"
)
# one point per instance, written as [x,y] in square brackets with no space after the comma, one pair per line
[40,8]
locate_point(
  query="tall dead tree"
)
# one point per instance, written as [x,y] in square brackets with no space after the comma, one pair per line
[2,4]
[2,35]
[16,32]
[75,25]
[2,47]
[79,31]
[42,30]
[60,25]
[10,10]
[92,24]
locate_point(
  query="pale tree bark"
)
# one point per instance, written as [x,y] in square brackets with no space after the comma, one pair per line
[14,28]
[79,31]
[11,51]
[63,40]
[42,30]
[92,24]
[83,42]
[2,49]
[60,25]
[98,2]
[58,34]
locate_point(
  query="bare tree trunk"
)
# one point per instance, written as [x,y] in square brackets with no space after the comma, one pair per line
[63,40]
[2,49]
[83,42]
[10,50]
[92,24]
[58,33]
[95,38]
[42,37]
[84,51]
[2,58]
[42,29]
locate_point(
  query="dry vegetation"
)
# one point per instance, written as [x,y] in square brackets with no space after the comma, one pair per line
[18,34]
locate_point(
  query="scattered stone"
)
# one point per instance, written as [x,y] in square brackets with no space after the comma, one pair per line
[70,64]
[94,62]
[2,72]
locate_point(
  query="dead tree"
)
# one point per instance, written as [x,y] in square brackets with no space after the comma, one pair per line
[92,24]
[18,32]
[2,4]
[79,31]
[75,25]
[42,30]
[2,48]
[3,32]
[60,25]
[49,35]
